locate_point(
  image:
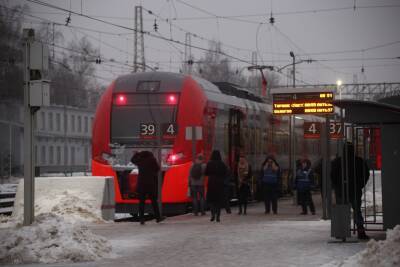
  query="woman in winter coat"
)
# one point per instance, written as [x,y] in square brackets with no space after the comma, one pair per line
[269,180]
[147,184]
[216,171]
[244,178]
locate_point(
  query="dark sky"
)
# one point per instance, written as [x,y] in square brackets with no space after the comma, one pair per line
[341,39]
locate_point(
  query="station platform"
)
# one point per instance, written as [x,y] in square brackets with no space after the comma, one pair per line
[257,239]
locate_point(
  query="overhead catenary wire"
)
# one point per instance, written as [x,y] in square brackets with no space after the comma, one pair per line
[144,32]
[238,16]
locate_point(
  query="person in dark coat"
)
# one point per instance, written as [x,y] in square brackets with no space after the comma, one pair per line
[228,184]
[303,183]
[244,179]
[358,175]
[216,171]
[147,184]
[269,180]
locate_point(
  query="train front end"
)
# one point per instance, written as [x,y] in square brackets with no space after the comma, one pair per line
[148,111]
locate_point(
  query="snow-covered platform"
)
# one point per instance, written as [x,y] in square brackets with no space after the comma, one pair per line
[286,239]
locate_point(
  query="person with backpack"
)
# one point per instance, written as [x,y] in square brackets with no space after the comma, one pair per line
[196,185]
[269,180]
[303,183]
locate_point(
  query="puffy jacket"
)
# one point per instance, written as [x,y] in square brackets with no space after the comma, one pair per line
[269,176]
[304,179]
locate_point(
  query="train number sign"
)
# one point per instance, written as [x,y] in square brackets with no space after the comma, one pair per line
[335,130]
[169,130]
[148,130]
[313,130]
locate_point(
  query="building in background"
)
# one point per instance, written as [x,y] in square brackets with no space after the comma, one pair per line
[62,139]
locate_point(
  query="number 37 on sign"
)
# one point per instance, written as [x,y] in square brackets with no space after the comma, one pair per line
[313,130]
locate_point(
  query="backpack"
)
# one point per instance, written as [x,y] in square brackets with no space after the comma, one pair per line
[196,171]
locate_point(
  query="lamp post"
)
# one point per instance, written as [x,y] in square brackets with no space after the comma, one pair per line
[292,131]
[339,83]
[294,68]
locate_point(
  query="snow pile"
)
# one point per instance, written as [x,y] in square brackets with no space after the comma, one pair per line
[51,239]
[72,205]
[377,253]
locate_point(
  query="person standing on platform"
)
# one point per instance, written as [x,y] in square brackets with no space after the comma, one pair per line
[303,183]
[147,184]
[216,171]
[358,175]
[269,179]
[196,184]
[244,178]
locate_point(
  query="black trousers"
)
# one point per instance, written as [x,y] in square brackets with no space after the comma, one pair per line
[244,192]
[270,197]
[355,202]
[305,200]
[215,209]
[142,199]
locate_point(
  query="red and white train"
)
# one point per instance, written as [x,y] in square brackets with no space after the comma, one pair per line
[153,110]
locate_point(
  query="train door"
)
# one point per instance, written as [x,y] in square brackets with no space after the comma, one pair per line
[367,145]
[234,142]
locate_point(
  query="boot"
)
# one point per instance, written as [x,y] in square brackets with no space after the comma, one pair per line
[240,210]
[160,219]
[362,235]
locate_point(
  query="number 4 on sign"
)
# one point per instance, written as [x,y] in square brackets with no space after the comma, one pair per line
[170,129]
[312,128]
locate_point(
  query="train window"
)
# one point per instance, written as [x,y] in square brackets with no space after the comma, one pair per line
[148,86]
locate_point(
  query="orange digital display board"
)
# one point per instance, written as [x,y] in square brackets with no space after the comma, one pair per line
[303,103]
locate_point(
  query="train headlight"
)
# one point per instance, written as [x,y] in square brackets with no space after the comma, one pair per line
[121,100]
[172,99]
[174,158]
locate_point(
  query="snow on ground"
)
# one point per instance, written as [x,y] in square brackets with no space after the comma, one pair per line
[368,197]
[10,180]
[51,239]
[384,253]
[58,233]
[8,188]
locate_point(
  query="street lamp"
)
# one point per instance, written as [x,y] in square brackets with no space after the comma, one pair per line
[294,68]
[339,83]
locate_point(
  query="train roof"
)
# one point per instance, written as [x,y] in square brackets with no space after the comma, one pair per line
[220,92]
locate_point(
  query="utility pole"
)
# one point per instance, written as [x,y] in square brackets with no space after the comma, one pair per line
[253,73]
[292,131]
[139,64]
[36,94]
[188,55]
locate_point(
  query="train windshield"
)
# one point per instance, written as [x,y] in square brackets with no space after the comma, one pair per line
[144,119]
